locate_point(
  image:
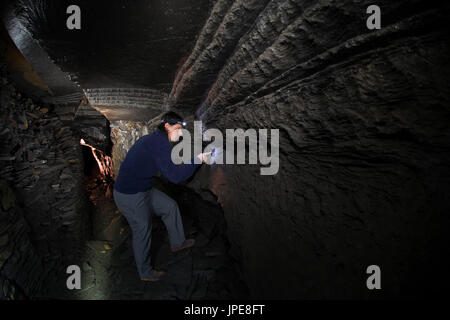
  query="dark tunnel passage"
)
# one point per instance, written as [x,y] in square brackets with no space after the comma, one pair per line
[91,168]
[354,173]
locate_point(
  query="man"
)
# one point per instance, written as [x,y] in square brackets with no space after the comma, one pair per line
[137,199]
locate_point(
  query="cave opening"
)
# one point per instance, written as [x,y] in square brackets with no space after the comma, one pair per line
[91,169]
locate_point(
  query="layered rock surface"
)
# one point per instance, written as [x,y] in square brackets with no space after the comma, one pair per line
[44,216]
[363,119]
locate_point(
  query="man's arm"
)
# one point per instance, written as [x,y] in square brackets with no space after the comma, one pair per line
[176,173]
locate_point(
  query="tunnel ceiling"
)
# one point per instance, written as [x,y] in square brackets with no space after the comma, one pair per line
[130,50]
[203,58]
[121,43]
[134,60]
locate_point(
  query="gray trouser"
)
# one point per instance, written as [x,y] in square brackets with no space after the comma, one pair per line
[137,209]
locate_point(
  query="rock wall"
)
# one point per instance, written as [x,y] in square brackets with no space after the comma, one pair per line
[43,216]
[363,119]
[123,135]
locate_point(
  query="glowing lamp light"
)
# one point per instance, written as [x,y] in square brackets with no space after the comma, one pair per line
[104,162]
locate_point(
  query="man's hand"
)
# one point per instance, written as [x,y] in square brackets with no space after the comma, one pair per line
[204,156]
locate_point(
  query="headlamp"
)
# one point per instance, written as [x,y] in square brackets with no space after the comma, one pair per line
[172,122]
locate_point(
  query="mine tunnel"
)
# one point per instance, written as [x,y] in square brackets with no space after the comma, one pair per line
[363,172]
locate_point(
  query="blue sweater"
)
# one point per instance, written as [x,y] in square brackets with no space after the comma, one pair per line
[150,154]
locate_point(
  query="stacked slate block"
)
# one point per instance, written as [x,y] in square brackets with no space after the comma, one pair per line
[44,215]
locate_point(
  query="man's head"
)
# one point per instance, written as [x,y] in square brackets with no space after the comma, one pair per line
[171,123]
